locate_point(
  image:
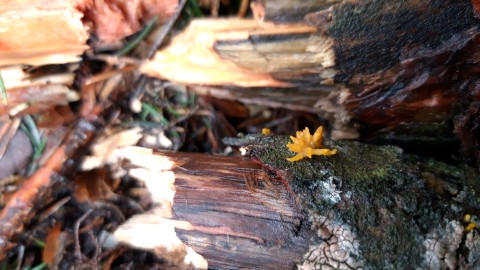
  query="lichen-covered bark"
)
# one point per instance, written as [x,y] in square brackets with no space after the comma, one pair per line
[374,207]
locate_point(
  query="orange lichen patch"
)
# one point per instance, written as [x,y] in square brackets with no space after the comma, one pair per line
[307,145]
[191,57]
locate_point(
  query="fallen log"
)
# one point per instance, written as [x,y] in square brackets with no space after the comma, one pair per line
[395,211]
[371,68]
[263,212]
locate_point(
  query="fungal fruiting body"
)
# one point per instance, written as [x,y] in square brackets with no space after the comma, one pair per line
[306,145]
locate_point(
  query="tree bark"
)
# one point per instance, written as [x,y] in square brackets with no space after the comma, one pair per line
[243,217]
[369,67]
[394,211]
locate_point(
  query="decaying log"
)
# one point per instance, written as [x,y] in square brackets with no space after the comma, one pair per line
[395,211]
[369,66]
[373,207]
[244,218]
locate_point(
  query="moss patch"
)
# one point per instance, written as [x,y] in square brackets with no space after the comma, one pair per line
[375,190]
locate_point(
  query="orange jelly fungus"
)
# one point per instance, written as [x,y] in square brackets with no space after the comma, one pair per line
[306,145]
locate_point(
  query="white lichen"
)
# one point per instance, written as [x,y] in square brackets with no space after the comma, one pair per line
[338,249]
[442,244]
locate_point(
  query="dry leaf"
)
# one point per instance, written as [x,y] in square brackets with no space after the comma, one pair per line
[54,246]
[116,19]
[91,186]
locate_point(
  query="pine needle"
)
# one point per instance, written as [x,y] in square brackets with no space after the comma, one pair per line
[141,36]
[3,90]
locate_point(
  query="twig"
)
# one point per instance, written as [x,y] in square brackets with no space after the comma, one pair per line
[141,36]
[165,29]
[183,118]
[6,134]
[78,252]
[15,212]
[242,10]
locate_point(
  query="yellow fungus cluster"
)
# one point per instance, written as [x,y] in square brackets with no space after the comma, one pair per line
[471,225]
[266,131]
[307,145]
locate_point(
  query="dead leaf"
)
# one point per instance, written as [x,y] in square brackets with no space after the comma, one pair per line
[54,246]
[115,19]
[92,186]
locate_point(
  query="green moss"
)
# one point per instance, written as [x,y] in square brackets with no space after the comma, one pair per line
[388,199]
[371,189]
[365,166]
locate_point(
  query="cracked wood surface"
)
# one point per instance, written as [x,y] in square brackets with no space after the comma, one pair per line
[238,214]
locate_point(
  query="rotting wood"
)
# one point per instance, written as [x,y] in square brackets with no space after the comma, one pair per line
[326,211]
[370,66]
[374,207]
[27,35]
[237,214]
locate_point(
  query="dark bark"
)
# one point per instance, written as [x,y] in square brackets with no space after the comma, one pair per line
[372,68]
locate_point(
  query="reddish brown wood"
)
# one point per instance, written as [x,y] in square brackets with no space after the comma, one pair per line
[15,211]
[235,223]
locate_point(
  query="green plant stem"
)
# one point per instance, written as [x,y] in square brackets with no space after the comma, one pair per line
[141,36]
